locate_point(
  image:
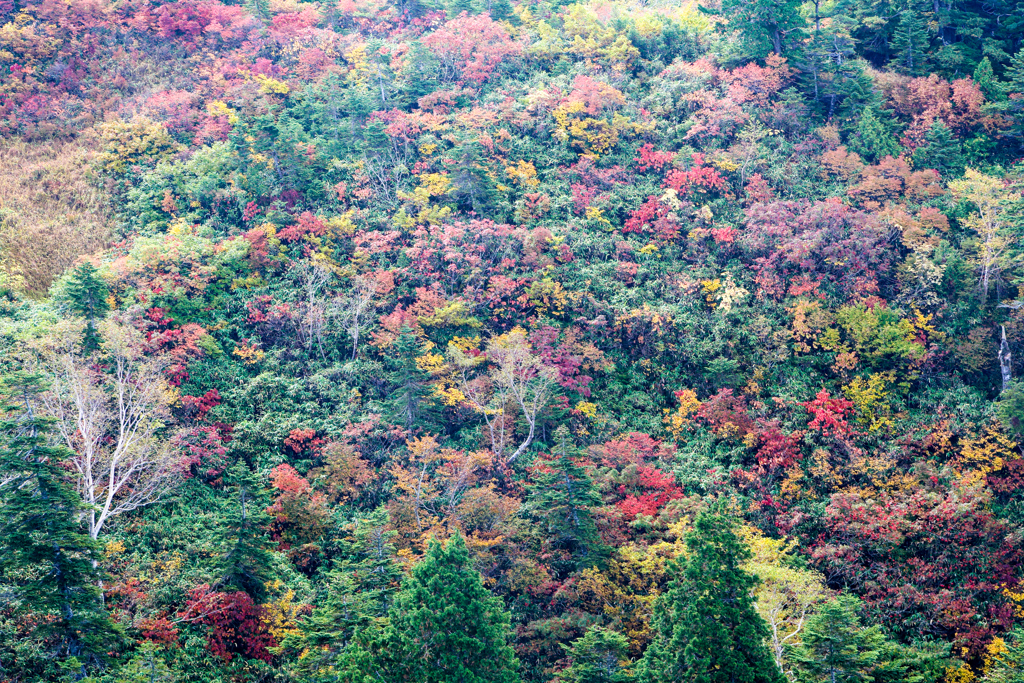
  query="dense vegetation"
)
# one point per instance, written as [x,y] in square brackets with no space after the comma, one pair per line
[361,340]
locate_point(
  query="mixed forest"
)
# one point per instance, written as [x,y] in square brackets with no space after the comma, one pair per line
[512,341]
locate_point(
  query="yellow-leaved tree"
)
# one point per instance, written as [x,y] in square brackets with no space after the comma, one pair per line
[786,595]
[994,238]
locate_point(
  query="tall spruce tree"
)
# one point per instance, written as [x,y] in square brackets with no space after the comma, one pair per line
[941,151]
[706,629]
[444,626]
[910,42]
[835,647]
[45,554]
[561,500]
[420,73]
[246,564]
[359,591]
[410,401]
[87,296]
[873,140]
[472,186]
[600,656]
[988,82]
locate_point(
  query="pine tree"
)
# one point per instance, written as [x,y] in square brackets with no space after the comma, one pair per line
[443,627]
[600,656]
[45,554]
[835,647]
[87,296]
[910,44]
[561,499]
[873,140]
[247,562]
[941,151]
[706,629]
[410,400]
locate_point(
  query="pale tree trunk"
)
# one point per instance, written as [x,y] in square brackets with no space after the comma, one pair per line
[110,420]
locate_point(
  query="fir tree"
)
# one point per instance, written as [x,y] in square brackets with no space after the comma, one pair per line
[371,559]
[147,666]
[246,564]
[359,591]
[765,26]
[501,10]
[1015,72]
[873,140]
[910,44]
[420,73]
[600,656]
[561,499]
[941,151]
[45,554]
[87,296]
[472,187]
[443,627]
[454,8]
[835,647]
[706,629]
[986,79]
[410,400]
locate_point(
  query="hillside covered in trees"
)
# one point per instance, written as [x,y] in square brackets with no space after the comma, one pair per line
[505,341]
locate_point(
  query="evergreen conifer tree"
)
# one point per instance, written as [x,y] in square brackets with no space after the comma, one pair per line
[246,564]
[501,10]
[989,83]
[359,591]
[910,43]
[45,554]
[940,151]
[147,666]
[600,656]
[444,626]
[410,398]
[560,501]
[454,8]
[472,187]
[706,629]
[420,73]
[873,140]
[765,26]
[835,647]
[87,295]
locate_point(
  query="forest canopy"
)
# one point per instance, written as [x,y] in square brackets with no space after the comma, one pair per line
[501,341]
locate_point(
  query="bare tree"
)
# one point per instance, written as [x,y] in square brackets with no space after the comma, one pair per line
[516,379]
[108,410]
[313,279]
[353,308]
